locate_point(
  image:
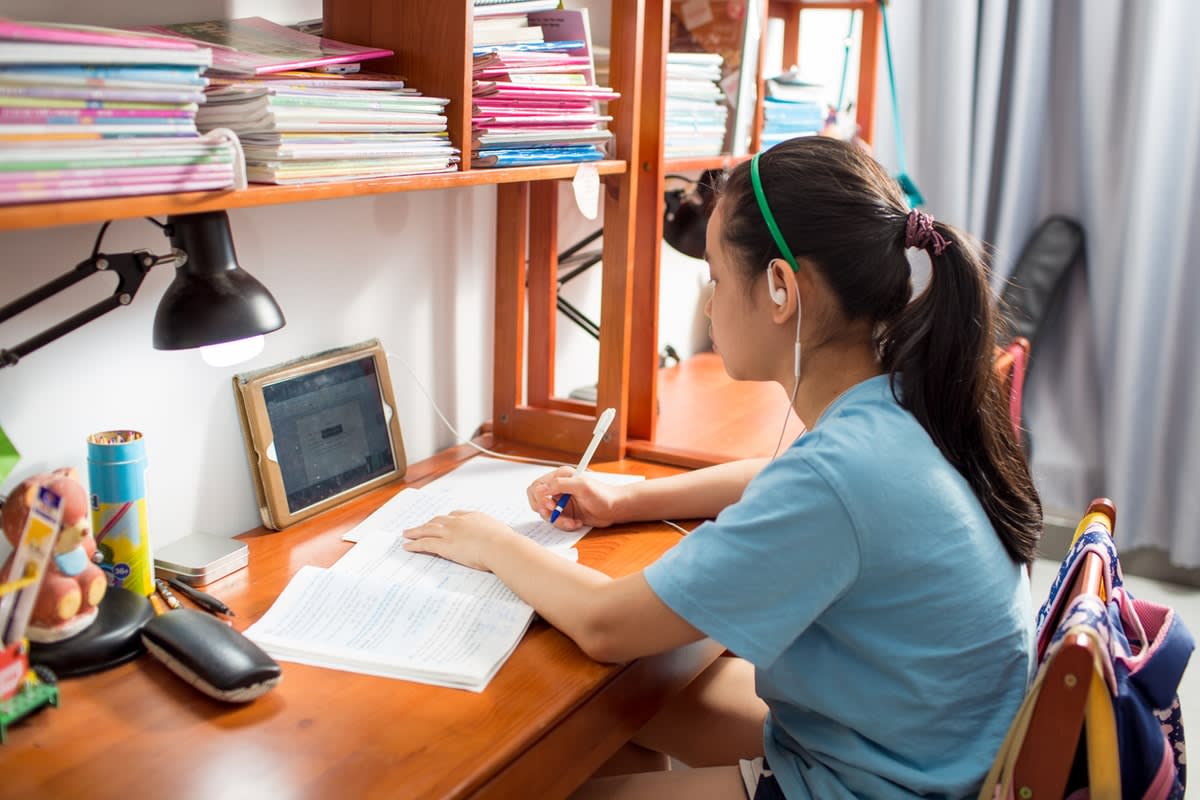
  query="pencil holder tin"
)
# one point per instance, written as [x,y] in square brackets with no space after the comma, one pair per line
[117,478]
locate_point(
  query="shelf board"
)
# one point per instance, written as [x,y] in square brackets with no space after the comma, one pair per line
[702,163]
[45,215]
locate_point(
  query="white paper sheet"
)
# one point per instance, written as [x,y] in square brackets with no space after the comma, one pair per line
[490,485]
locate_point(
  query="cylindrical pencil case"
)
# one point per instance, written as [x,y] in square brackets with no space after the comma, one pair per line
[117,477]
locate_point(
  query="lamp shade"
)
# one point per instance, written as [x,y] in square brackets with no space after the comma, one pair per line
[686,213]
[212,299]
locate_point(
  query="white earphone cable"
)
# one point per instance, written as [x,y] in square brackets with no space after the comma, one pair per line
[795,384]
[462,439]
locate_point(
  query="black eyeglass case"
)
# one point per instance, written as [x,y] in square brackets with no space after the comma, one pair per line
[210,655]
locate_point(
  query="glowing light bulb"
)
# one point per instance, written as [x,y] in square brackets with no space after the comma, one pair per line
[228,353]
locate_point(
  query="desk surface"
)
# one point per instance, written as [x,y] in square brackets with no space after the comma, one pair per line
[547,720]
[737,419]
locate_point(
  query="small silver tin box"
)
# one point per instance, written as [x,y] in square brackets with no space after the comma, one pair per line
[200,558]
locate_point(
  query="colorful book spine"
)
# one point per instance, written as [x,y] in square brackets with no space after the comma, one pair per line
[86,35]
[105,128]
[154,73]
[55,193]
[87,115]
[46,102]
[104,94]
[117,173]
[118,161]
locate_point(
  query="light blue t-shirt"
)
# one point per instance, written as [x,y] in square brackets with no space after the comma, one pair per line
[891,634]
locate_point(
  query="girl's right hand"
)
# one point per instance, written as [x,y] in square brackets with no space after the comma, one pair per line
[592,502]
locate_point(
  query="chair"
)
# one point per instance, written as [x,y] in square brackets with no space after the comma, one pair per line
[1047,752]
[1040,748]
[1009,365]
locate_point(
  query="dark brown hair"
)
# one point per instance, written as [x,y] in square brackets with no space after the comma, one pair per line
[841,212]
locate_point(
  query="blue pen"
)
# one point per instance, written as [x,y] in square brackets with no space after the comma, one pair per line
[601,428]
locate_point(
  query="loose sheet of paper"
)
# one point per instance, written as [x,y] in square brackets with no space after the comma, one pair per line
[490,485]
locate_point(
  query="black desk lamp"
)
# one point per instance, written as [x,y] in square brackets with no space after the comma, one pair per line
[212,299]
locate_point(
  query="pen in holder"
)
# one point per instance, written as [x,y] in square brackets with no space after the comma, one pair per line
[116,474]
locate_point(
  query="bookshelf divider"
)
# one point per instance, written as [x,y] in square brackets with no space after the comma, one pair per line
[432,42]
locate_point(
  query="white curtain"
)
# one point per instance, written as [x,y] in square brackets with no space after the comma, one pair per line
[1014,110]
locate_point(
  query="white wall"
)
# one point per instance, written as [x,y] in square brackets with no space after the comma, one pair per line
[390,267]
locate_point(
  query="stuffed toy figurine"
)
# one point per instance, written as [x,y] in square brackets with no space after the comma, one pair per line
[73,585]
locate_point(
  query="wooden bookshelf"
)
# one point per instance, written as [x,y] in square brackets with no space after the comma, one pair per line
[872,23]
[45,215]
[668,420]
[701,163]
[432,40]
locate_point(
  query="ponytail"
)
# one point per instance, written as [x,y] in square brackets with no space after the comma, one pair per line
[939,351]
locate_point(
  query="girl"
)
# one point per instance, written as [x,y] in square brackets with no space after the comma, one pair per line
[871,578]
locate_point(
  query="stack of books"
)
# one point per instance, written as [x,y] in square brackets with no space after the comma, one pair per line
[696,113]
[308,127]
[90,112]
[537,102]
[299,123]
[490,8]
[791,108]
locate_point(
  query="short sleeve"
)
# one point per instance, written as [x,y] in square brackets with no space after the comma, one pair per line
[756,577]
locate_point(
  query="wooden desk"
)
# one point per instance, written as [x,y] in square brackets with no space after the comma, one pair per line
[547,720]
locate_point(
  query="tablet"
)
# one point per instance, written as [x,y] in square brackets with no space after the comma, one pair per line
[319,430]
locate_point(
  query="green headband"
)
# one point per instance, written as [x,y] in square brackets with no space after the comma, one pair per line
[768,217]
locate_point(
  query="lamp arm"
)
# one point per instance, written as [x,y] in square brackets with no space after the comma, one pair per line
[131,269]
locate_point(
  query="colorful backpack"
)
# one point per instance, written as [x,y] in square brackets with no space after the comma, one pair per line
[1147,649]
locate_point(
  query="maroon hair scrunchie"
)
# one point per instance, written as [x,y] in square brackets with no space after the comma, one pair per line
[919,232]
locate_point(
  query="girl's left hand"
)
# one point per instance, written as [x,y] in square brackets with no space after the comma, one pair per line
[467,537]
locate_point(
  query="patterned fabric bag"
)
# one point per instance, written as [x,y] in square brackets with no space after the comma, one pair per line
[1147,648]
[1096,760]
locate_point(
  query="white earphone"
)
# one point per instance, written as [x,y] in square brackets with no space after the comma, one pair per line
[779,295]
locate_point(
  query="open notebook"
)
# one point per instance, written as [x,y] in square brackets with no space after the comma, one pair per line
[381,610]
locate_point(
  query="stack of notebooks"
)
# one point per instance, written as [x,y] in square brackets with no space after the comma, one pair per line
[696,113]
[90,112]
[300,121]
[309,127]
[791,108]
[490,8]
[534,97]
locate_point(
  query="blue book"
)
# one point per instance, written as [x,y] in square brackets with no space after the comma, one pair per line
[530,47]
[155,73]
[535,155]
